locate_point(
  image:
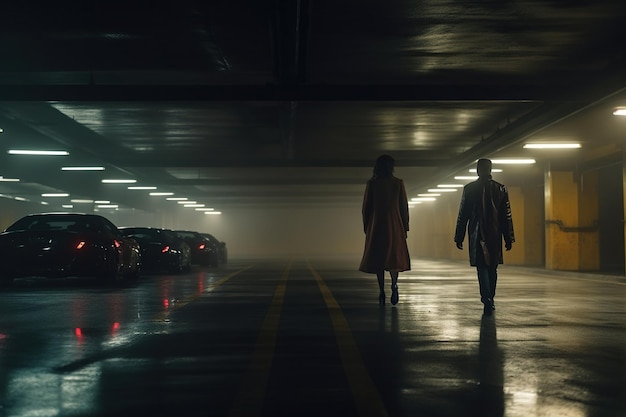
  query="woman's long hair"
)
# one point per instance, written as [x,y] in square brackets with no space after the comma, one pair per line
[383,167]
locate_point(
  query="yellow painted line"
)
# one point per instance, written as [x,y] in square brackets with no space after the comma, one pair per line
[366,396]
[164,315]
[251,395]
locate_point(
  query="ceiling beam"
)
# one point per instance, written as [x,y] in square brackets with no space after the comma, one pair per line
[414,92]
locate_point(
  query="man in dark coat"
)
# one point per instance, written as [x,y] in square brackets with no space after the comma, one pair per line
[485,206]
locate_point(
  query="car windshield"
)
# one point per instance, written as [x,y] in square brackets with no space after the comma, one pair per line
[141,234]
[41,223]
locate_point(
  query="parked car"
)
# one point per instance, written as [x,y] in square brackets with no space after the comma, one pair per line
[203,251]
[161,249]
[222,251]
[57,245]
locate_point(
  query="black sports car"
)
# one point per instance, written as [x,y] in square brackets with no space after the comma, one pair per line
[203,252]
[57,245]
[222,251]
[161,249]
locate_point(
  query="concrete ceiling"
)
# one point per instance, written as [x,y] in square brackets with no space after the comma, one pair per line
[241,103]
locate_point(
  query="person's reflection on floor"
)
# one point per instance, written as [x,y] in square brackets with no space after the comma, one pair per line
[490,372]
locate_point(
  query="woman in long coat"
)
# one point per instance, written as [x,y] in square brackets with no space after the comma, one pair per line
[386,223]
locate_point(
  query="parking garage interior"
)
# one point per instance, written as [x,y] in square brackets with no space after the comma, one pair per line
[266,117]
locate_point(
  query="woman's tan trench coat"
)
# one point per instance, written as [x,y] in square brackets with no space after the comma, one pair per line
[385,222]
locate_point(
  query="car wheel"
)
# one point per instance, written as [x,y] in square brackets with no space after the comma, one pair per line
[178,267]
[112,274]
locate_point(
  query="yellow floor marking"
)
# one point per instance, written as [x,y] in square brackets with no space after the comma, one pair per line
[251,395]
[164,315]
[366,396]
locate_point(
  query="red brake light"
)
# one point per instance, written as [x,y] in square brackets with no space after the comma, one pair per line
[201,246]
[165,249]
[117,243]
[81,244]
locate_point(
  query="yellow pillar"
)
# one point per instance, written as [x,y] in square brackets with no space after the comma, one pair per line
[571,214]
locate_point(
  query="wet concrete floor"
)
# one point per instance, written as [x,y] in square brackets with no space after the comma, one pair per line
[308,338]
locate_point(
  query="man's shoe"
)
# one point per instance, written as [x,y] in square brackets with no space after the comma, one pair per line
[487,309]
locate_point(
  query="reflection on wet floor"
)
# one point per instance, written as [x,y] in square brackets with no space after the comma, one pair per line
[308,338]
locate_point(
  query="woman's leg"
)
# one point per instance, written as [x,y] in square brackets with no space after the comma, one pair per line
[381,280]
[394,287]
[381,285]
[394,278]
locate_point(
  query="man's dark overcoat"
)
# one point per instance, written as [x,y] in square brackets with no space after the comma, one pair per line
[385,222]
[485,211]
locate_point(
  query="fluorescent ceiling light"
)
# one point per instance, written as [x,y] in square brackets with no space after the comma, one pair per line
[45,203]
[177,198]
[114,181]
[67,206]
[109,206]
[55,195]
[620,111]
[429,195]
[465,178]
[141,188]
[442,190]
[552,146]
[212,212]
[187,202]
[102,202]
[82,168]
[160,194]
[193,205]
[79,201]
[205,209]
[514,161]
[21,199]
[30,152]
[450,186]
[2,179]
[493,170]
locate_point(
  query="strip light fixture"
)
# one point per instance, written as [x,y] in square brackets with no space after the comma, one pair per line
[514,161]
[442,190]
[82,168]
[620,111]
[552,146]
[118,181]
[55,195]
[38,153]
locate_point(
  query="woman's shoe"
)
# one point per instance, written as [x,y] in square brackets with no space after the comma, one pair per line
[381,298]
[394,295]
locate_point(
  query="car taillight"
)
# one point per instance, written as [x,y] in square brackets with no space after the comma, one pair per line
[117,243]
[81,244]
[165,249]
[201,246]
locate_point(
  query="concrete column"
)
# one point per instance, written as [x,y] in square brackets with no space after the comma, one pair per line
[571,215]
